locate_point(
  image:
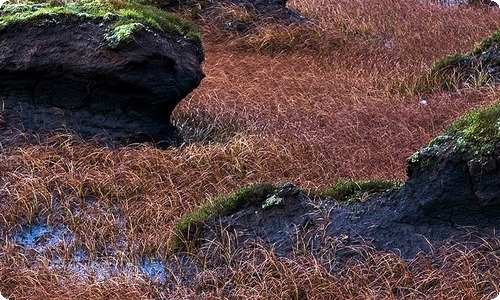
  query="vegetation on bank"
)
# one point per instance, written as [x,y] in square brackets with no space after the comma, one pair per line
[458,70]
[188,228]
[123,17]
[353,190]
[476,134]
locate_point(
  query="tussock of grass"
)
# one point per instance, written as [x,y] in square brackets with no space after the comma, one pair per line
[456,71]
[197,126]
[492,40]
[444,75]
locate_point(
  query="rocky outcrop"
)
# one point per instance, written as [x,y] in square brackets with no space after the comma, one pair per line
[452,194]
[61,72]
[482,3]
[450,186]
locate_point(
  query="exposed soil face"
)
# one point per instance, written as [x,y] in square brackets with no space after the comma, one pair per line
[448,197]
[60,73]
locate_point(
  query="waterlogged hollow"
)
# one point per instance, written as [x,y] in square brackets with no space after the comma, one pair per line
[44,239]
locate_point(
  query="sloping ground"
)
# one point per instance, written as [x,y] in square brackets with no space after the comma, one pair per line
[452,193]
[476,68]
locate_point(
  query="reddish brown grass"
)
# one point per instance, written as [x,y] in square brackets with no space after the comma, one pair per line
[305,104]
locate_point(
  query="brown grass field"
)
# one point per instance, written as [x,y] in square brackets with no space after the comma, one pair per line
[308,104]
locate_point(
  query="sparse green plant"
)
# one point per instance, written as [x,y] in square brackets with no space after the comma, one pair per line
[272,201]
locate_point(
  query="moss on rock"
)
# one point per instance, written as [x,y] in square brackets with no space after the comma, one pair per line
[188,228]
[123,18]
[353,190]
[476,134]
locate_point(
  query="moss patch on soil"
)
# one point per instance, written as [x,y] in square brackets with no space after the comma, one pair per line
[188,228]
[123,18]
[476,134]
[353,190]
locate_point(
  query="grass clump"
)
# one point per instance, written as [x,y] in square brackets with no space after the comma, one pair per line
[490,41]
[352,190]
[124,17]
[188,229]
[443,75]
[204,127]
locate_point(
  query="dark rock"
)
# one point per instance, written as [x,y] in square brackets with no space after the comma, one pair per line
[452,186]
[482,3]
[61,73]
[449,196]
[276,223]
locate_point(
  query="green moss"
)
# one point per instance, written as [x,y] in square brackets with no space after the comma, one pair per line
[352,190]
[159,19]
[477,132]
[189,227]
[125,17]
[16,13]
[121,34]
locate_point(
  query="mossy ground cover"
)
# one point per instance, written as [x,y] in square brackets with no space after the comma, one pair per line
[187,230]
[353,190]
[476,134]
[123,17]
